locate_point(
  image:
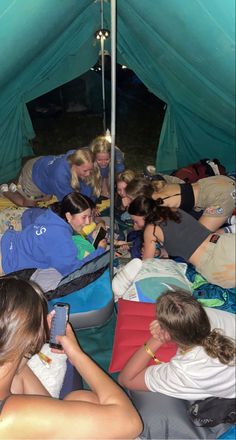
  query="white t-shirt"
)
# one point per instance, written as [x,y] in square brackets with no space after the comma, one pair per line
[195,375]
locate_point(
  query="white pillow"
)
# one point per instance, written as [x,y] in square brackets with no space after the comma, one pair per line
[51,376]
[155,277]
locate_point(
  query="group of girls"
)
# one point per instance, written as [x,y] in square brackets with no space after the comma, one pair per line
[85,170]
[46,240]
[183,220]
[78,179]
[167,214]
[186,220]
[203,365]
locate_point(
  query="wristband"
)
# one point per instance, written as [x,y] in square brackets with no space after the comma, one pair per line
[150,352]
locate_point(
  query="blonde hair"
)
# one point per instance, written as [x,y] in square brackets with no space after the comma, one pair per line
[99,145]
[81,157]
[126,176]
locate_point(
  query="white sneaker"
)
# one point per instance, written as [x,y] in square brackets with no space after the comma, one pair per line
[4,188]
[12,187]
[124,278]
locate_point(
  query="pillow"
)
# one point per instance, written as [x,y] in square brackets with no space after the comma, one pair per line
[155,277]
[132,330]
[51,375]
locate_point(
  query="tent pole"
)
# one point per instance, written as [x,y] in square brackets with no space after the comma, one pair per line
[113,129]
[103,72]
[103,88]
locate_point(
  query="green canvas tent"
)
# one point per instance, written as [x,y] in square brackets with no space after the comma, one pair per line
[182,50]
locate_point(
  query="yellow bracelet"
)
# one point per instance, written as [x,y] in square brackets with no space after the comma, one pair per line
[150,352]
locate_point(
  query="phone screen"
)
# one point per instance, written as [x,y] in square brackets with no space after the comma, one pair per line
[100,236]
[58,324]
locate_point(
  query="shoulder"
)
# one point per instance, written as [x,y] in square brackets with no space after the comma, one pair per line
[220,319]
[43,412]
[152,232]
[119,154]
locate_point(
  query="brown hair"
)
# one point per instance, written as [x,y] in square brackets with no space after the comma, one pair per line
[23,319]
[188,325]
[125,176]
[151,211]
[140,186]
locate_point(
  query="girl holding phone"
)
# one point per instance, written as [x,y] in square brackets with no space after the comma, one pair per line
[47,241]
[103,412]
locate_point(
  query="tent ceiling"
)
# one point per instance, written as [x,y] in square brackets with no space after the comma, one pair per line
[183,51]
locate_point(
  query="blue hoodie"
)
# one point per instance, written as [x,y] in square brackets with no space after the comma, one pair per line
[52,175]
[46,243]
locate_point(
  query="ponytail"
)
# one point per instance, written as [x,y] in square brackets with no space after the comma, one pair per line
[219,346]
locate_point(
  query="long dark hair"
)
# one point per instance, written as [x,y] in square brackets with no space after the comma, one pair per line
[153,213]
[188,325]
[74,203]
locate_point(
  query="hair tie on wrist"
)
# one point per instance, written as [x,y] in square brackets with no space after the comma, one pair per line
[150,352]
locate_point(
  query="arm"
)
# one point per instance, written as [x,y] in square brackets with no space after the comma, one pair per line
[107,414]
[133,374]
[122,421]
[149,242]
[99,251]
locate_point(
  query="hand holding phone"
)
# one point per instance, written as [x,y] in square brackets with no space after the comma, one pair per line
[58,324]
[101,234]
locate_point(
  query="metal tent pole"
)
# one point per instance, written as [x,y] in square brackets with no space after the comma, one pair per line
[103,72]
[113,129]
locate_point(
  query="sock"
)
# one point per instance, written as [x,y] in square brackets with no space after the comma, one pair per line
[231,229]
[231,220]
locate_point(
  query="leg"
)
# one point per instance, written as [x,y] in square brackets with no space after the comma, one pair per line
[212,223]
[19,199]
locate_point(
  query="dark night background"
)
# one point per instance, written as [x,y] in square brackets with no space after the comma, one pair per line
[71,116]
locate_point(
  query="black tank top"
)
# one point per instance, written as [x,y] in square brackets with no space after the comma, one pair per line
[182,239]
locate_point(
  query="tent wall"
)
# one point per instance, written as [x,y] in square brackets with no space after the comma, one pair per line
[43,45]
[184,52]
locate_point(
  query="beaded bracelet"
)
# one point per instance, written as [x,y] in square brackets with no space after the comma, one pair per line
[150,352]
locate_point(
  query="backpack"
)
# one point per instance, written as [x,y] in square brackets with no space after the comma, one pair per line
[213,411]
[195,171]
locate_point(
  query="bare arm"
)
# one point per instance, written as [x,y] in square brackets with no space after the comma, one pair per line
[133,374]
[109,414]
[149,242]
